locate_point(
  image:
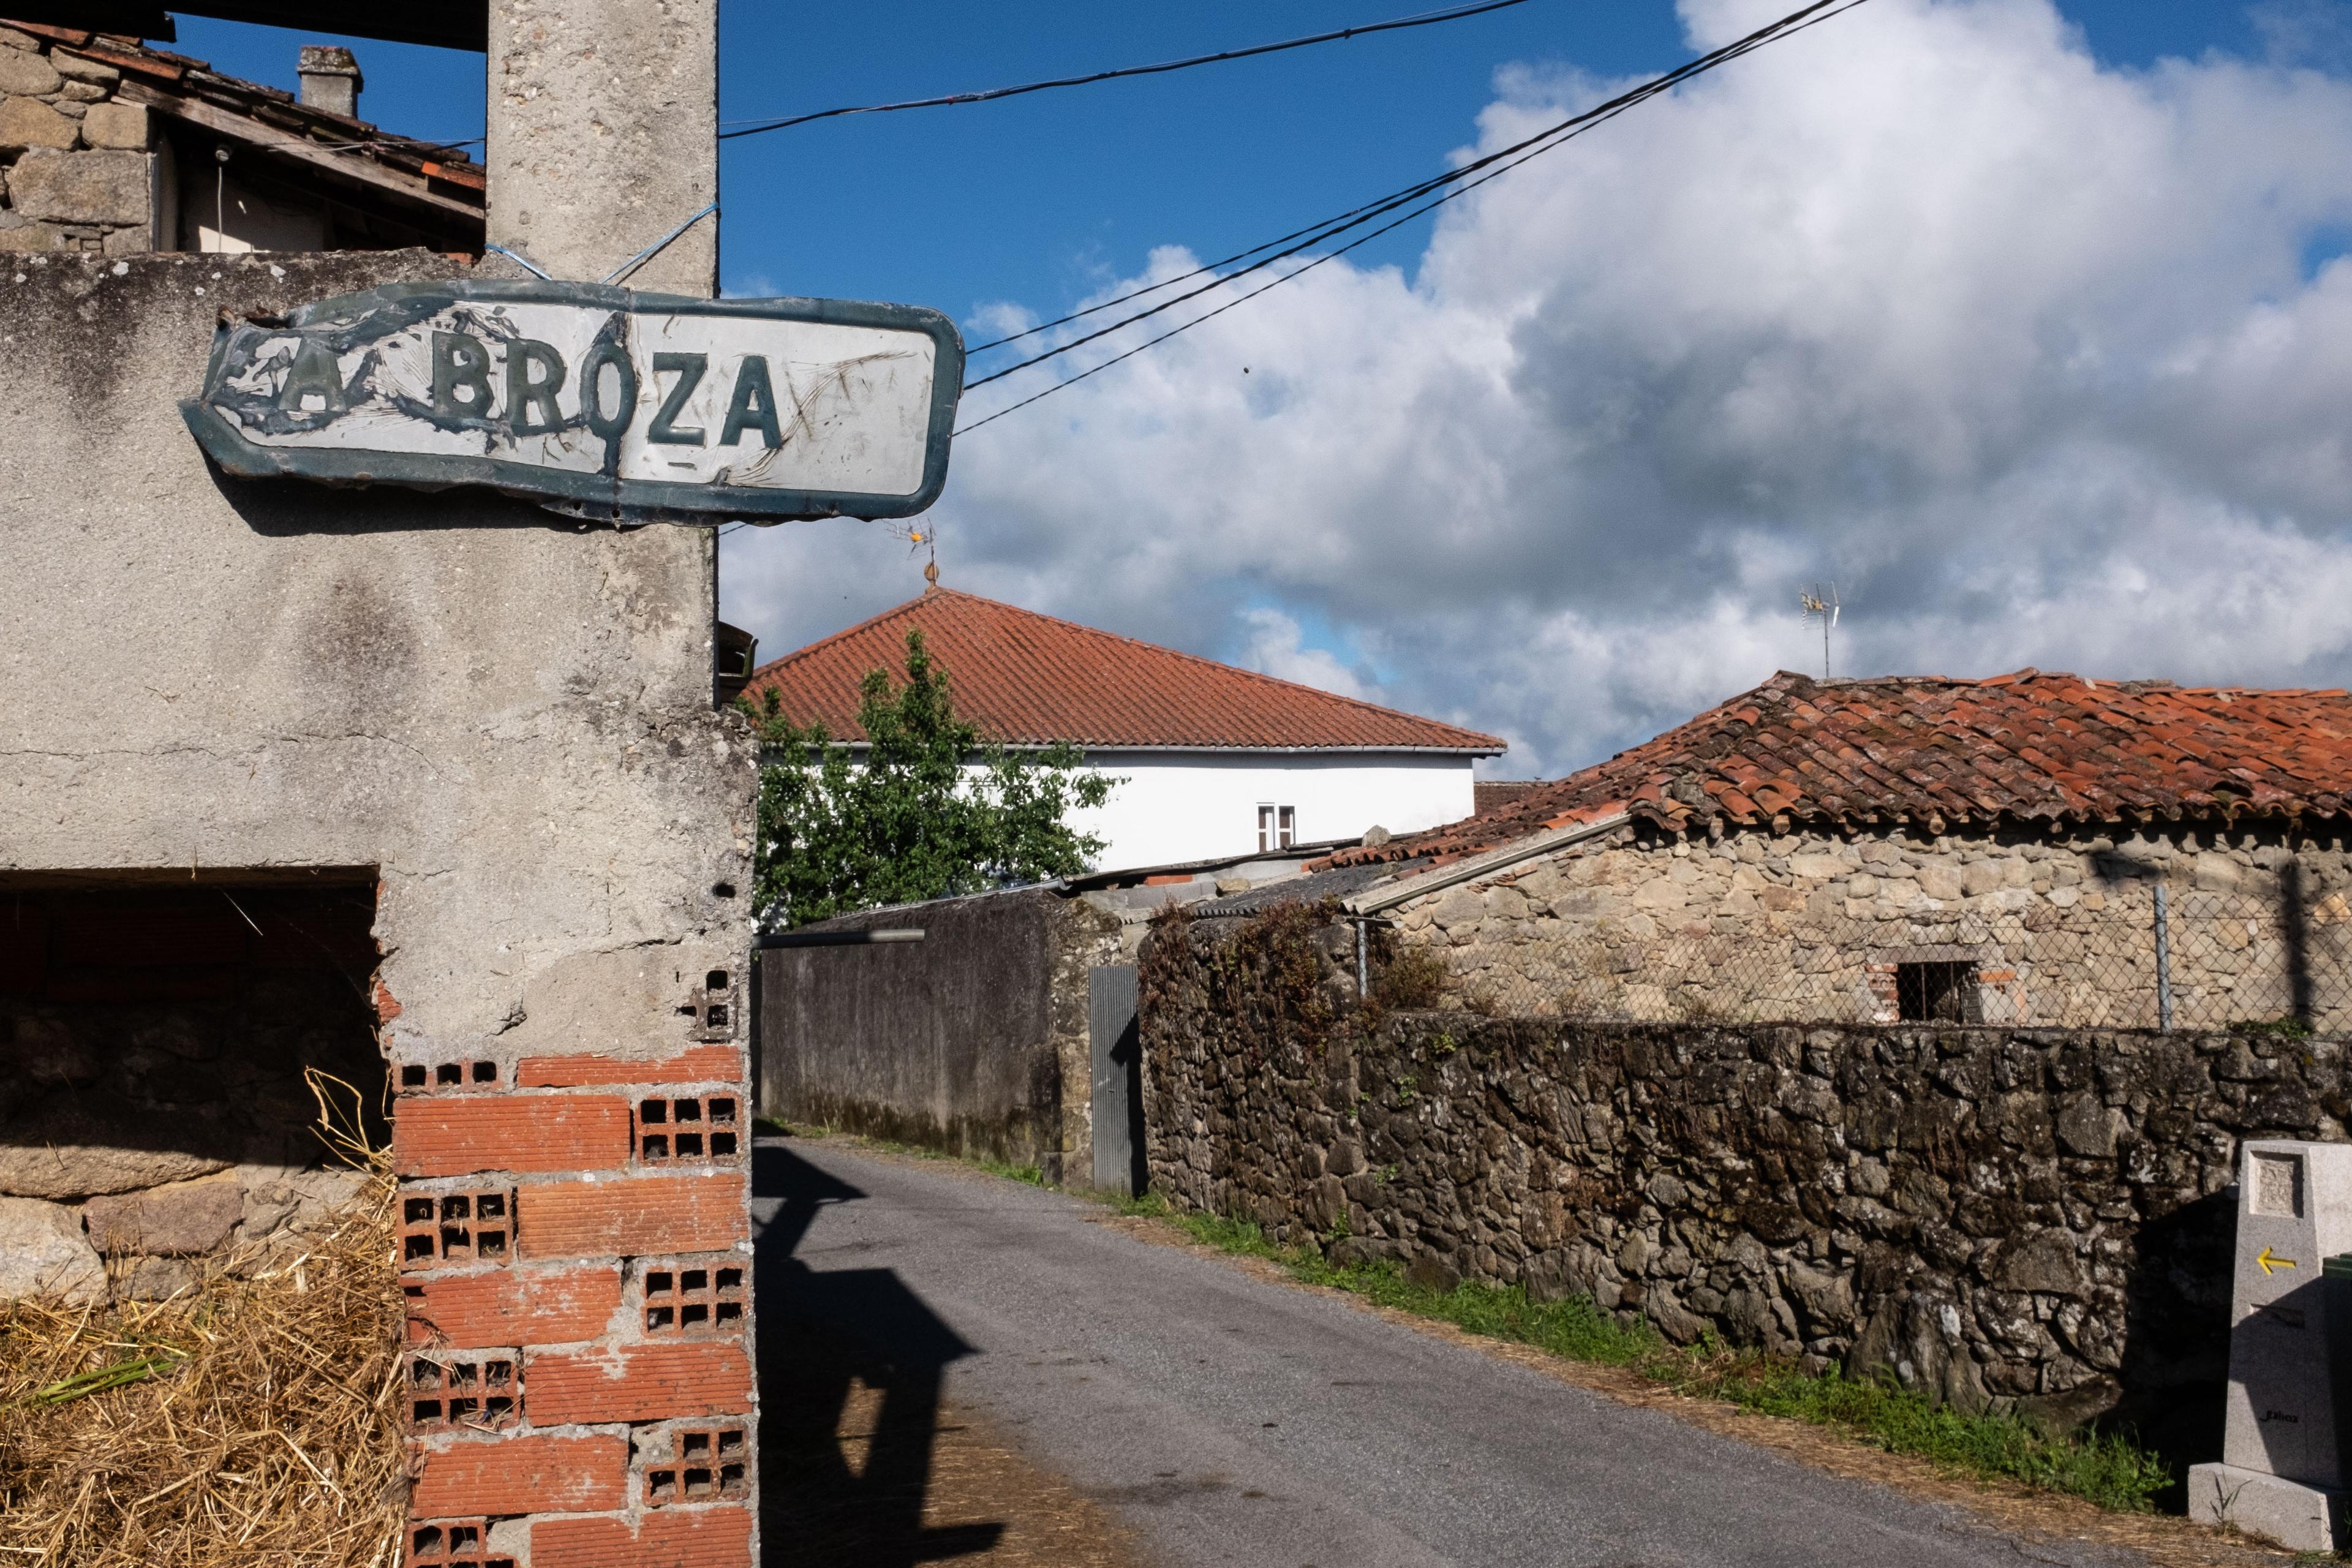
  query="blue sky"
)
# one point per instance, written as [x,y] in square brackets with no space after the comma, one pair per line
[1041,199]
[2023,320]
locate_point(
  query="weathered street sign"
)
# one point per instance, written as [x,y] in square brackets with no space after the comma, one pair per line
[594,401]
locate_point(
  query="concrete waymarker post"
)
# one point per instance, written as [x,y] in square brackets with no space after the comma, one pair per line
[594,401]
[2282,1470]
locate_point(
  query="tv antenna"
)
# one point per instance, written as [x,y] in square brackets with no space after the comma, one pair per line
[1827,609]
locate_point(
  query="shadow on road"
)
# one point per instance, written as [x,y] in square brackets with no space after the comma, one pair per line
[851,1363]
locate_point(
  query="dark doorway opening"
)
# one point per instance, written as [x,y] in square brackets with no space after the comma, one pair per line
[1938,993]
[154,1038]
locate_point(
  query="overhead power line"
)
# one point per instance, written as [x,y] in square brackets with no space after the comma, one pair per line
[1460,180]
[1420,19]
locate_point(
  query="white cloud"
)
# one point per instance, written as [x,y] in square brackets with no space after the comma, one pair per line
[2019,350]
[1274,646]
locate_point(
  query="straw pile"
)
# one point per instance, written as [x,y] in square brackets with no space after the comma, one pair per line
[252,1420]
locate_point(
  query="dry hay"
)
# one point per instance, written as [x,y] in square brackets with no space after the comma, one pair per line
[254,1419]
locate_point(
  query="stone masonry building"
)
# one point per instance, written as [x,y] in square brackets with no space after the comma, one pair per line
[2029,850]
[109,147]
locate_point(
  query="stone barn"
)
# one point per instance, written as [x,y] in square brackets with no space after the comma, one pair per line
[2028,849]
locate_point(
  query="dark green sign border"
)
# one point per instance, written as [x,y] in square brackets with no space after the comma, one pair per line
[393,308]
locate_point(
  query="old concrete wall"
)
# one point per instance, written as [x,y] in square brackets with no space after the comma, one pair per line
[2034,1219]
[973,1041]
[942,1043]
[1808,925]
[508,714]
[502,721]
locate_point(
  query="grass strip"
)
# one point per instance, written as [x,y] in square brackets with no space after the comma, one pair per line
[2110,1469]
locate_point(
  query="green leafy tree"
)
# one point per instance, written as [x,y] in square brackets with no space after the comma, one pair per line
[910,820]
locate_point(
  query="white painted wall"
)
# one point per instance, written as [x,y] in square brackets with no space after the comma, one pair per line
[1192,806]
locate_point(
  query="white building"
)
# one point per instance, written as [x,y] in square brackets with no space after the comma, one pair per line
[1214,760]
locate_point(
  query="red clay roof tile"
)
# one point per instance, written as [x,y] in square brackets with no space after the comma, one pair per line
[1030,679]
[2023,746]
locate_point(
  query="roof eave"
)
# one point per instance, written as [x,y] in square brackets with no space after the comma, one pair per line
[1437,879]
[317,157]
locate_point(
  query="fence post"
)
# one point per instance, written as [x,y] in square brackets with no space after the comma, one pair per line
[2163,964]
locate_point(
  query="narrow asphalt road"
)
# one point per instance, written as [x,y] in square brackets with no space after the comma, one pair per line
[1228,1420]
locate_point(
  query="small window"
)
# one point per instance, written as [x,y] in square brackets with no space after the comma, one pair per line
[1938,993]
[1278,827]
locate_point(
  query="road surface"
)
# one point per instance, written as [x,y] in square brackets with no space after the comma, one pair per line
[1225,1419]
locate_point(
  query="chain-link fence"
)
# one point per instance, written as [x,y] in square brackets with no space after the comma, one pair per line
[2134,955]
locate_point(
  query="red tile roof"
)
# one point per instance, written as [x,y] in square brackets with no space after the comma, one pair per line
[2026,747]
[1030,679]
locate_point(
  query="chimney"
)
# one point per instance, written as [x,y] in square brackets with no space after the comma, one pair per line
[330,79]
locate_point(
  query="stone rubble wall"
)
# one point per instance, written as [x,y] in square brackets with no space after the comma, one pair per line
[78,169]
[2037,1220]
[1809,925]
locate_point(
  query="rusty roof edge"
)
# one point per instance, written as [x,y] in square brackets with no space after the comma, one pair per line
[325,157]
[1437,879]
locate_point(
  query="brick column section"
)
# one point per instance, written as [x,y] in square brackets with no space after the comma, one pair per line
[576,1257]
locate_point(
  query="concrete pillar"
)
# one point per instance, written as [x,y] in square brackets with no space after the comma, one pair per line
[604,127]
[2282,1470]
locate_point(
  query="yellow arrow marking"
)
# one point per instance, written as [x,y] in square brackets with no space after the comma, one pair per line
[2273,1265]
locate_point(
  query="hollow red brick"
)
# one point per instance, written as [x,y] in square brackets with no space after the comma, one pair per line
[458,1136]
[630,1216]
[695,1538]
[700,1064]
[513,1307]
[639,1383]
[526,1473]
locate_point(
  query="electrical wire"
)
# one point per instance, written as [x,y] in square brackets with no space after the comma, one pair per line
[1543,141]
[1338,223]
[757,127]
[1507,158]
[1419,19]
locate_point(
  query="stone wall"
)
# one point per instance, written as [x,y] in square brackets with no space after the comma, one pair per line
[1809,925]
[2027,1219]
[77,168]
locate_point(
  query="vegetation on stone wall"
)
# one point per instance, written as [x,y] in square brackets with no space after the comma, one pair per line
[909,819]
[2008,1222]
